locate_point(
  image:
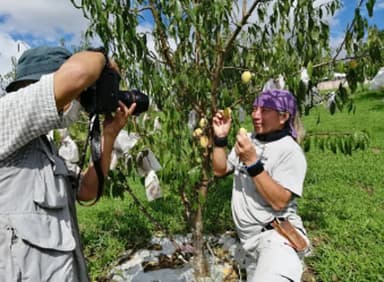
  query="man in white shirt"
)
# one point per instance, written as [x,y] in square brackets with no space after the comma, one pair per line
[269,168]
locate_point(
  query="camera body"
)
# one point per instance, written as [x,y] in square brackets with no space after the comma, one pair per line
[103,97]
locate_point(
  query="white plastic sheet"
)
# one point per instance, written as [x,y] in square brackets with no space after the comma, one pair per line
[377,83]
[219,267]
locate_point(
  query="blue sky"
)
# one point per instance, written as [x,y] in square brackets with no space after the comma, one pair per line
[26,23]
[345,16]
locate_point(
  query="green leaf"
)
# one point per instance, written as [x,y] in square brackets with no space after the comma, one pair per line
[307,144]
[310,69]
[260,14]
[370,4]
[332,107]
[332,145]
[322,143]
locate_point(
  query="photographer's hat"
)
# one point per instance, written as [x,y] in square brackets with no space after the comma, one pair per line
[36,62]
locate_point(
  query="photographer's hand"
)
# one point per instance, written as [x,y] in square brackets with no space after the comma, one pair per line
[113,124]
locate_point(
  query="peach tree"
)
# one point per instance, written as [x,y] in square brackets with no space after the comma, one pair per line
[189,57]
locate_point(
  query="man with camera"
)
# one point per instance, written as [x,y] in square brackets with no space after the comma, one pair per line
[39,236]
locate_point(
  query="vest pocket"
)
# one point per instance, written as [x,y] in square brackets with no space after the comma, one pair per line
[50,189]
[44,230]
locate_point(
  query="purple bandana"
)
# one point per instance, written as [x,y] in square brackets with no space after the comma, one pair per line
[279,100]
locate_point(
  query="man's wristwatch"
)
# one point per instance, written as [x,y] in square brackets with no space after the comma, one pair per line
[220,141]
[255,168]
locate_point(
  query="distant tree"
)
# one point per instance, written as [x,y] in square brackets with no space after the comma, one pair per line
[8,77]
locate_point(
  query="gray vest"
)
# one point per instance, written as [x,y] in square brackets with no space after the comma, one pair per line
[37,200]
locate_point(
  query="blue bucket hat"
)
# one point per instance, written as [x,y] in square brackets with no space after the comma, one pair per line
[36,62]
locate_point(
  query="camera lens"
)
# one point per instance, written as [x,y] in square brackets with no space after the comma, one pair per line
[134,96]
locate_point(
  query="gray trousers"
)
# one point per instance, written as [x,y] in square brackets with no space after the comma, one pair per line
[20,261]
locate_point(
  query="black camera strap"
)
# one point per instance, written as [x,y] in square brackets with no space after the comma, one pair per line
[96,152]
[94,137]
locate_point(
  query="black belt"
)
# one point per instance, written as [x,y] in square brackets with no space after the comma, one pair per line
[269,226]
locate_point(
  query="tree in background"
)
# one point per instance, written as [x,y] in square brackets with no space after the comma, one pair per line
[189,57]
[8,77]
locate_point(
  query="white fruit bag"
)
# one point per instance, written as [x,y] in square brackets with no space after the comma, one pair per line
[146,161]
[152,186]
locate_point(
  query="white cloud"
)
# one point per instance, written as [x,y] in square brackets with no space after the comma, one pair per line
[147,29]
[9,48]
[39,22]
[43,18]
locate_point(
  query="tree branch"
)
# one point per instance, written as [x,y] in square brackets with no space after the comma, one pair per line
[151,218]
[162,36]
[222,52]
[186,203]
[349,28]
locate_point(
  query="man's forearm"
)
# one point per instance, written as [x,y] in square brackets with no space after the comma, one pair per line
[219,161]
[78,73]
[272,192]
[89,184]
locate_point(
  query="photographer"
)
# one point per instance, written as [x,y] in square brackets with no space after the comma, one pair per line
[39,236]
[269,168]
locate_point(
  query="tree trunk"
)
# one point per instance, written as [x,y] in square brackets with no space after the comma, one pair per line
[199,260]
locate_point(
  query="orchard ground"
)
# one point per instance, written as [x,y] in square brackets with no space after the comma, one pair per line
[342,206]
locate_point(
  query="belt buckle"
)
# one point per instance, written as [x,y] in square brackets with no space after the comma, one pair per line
[269,226]
[279,219]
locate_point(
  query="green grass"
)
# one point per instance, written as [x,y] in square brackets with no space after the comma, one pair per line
[343,203]
[342,206]
[115,225]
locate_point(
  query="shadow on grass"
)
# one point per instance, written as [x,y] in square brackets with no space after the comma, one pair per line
[124,225]
[217,214]
[370,95]
[312,205]
[122,218]
[378,107]
[312,213]
[218,217]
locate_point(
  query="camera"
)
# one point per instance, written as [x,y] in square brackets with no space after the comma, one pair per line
[103,97]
